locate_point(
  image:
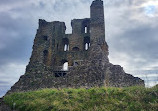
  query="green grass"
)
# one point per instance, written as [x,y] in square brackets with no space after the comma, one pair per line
[94,99]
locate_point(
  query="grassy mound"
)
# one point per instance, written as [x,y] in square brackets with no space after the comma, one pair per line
[94,99]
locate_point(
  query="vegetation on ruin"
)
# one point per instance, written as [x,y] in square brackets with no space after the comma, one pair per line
[94,99]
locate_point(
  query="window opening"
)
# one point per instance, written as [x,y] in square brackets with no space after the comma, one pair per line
[86,46]
[45,38]
[65,47]
[68,48]
[66,44]
[86,29]
[65,66]
[86,43]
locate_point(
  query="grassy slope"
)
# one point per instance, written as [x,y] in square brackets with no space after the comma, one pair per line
[94,99]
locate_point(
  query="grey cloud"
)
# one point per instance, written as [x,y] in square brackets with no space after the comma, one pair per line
[17,37]
[140,40]
[138,43]
[7,2]
[131,33]
[3,82]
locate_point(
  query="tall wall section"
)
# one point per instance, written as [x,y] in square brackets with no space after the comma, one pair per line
[85,51]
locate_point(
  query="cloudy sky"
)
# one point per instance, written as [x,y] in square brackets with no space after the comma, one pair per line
[131,33]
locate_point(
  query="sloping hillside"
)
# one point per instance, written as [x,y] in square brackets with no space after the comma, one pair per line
[94,99]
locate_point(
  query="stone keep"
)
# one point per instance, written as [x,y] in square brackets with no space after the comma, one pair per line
[85,51]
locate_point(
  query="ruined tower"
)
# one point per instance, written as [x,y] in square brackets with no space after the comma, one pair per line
[74,60]
[97,26]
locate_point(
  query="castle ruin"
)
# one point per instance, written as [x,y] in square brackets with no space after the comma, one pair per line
[74,60]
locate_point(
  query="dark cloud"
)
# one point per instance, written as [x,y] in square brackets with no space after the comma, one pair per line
[16,35]
[3,82]
[131,35]
[140,41]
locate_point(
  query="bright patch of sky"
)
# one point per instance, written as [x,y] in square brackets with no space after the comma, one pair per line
[150,8]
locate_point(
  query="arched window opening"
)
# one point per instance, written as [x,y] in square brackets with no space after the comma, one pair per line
[45,56]
[86,43]
[75,49]
[66,44]
[45,38]
[65,66]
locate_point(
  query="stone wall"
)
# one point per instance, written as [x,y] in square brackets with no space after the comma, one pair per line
[94,72]
[87,67]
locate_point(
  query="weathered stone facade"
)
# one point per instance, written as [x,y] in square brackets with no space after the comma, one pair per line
[85,51]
